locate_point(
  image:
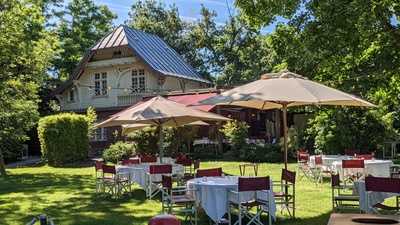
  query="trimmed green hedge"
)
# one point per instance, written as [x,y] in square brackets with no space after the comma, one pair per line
[64,138]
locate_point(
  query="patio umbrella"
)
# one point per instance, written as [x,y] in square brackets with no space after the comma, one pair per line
[283,90]
[160,112]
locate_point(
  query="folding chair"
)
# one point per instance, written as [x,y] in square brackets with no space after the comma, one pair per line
[188,171]
[215,172]
[98,167]
[114,183]
[320,170]
[340,198]
[240,200]
[286,197]
[127,162]
[178,200]
[154,185]
[303,168]
[386,185]
[352,170]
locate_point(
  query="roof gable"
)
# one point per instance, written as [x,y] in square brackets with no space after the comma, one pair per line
[152,50]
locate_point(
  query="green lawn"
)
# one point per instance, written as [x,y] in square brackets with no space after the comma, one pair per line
[68,195]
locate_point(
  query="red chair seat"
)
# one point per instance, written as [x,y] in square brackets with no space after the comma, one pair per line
[164,220]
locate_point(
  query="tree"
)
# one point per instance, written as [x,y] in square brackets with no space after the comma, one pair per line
[352,46]
[156,18]
[231,52]
[81,25]
[26,49]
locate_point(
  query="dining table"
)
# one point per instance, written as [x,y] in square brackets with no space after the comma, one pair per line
[374,167]
[213,194]
[367,203]
[139,173]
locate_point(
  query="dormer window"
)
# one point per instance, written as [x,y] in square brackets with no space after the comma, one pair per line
[100,84]
[138,81]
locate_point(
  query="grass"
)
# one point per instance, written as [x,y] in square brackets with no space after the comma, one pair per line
[68,195]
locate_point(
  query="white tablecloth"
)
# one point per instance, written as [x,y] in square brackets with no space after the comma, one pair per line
[376,167]
[139,173]
[212,194]
[328,160]
[373,197]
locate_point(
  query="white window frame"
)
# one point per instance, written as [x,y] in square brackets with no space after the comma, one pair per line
[138,80]
[100,84]
[100,134]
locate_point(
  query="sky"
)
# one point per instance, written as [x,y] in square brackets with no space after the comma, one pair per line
[188,9]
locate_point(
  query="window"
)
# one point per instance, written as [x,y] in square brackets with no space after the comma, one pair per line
[100,84]
[100,134]
[138,81]
[71,95]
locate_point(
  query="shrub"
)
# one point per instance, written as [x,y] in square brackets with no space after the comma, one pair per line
[64,138]
[256,153]
[236,132]
[337,129]
[118,151]
[145,140]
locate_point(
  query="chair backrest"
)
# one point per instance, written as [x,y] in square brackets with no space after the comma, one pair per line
[130,161]
[160,169]
[353,163]
[215,172]
[303,157]
[365,156]
[335,180]
[288,176]
[98,165]
[148,158]
[382,184]
[318,159]
[253,184]
[196,164]
[166,182]
[301,153]
[107,169]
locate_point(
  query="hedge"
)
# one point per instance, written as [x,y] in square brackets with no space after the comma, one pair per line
[64,138]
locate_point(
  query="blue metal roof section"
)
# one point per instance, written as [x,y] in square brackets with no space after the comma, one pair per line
[152,50]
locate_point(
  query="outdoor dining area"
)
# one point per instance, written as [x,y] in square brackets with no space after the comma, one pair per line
[359,182]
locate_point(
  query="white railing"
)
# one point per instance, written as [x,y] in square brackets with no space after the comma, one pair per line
[130,99]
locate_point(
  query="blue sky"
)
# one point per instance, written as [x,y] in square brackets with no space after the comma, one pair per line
[188,9]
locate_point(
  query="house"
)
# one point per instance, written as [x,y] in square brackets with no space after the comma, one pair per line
[128,66]
[121,69]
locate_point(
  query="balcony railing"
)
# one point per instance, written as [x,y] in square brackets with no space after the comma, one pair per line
[124,100]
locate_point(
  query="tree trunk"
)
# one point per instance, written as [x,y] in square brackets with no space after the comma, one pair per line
[2,164]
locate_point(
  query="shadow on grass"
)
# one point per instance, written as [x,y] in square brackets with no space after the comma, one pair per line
[68,199]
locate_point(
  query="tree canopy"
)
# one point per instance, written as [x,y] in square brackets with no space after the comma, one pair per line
[26,49]
[80,26]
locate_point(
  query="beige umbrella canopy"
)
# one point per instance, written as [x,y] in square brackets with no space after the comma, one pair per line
[160,112]
[282,90]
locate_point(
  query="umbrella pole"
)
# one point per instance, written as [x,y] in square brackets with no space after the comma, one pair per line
[285,134]
[161,142]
